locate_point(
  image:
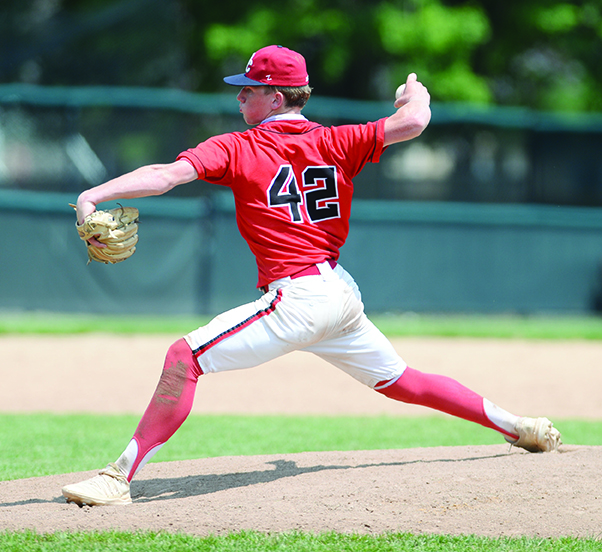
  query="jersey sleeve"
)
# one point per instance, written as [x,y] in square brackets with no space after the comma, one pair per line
[357,145]
[211,159]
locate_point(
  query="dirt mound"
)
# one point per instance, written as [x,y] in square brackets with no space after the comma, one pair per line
[482,490]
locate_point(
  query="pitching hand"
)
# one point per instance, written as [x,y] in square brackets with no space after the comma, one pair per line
[412,90]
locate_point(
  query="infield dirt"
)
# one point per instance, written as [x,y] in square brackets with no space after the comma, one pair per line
[484,490]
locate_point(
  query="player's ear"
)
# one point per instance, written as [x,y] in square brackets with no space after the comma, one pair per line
[278,100]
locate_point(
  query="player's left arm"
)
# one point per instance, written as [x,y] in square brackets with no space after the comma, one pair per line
[413,113]
[150,180]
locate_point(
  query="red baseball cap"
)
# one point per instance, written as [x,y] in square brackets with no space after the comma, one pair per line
[275,66]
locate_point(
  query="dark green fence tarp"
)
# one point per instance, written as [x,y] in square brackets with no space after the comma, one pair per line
[406,256]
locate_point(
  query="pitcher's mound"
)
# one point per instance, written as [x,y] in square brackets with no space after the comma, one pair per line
[484,490]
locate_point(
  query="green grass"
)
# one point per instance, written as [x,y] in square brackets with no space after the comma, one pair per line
[248,541]
[70,323]
[500,326]
[64,443]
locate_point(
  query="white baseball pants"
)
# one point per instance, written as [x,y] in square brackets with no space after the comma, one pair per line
[321,314]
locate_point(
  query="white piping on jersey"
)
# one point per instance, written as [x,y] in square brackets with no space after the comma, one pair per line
[285,117]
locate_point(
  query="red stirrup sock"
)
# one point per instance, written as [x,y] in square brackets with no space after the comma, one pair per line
[446,395]
[168,408]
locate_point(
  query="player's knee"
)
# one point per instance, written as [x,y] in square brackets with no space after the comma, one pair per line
[402,388]
[180,353]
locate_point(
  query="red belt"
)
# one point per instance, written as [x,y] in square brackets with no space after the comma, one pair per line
[312,270]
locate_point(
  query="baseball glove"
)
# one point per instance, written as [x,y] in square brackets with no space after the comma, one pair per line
[116,228]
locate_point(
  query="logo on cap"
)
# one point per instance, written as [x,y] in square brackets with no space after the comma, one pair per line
[250,64]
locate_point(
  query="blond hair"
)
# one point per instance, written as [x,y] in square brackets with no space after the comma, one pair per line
[294,96]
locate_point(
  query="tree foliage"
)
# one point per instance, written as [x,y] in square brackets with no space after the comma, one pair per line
[543,54]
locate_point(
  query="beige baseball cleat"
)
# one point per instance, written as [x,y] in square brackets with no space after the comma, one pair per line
[109,487]
[537,435]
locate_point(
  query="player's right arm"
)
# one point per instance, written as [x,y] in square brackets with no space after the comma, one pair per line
[150,180]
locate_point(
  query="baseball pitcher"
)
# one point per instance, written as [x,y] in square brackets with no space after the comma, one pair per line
[292,181]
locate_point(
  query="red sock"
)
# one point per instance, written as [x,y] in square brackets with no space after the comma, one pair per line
[168,408]
[440,393]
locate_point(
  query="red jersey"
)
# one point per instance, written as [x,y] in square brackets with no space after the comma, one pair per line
[292,187]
